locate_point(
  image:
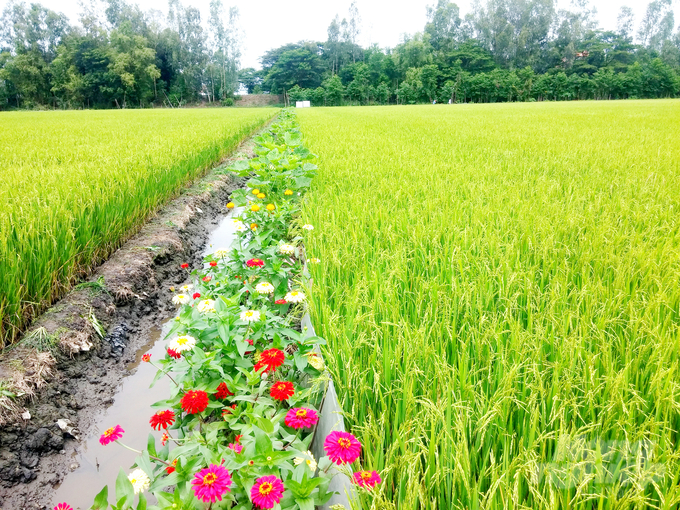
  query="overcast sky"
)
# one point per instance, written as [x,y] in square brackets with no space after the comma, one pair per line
[271,23]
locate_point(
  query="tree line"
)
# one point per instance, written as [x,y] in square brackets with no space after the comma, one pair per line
[505,50]
[117,56]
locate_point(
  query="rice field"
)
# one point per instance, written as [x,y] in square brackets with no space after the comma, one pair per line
[76,184]
[499,287]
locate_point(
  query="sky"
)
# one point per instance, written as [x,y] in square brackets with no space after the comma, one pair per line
[266,24]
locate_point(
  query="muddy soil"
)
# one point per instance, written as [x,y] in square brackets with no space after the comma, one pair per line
[130,303]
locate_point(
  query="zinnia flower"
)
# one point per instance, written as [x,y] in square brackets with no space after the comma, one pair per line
[63,506]
[162,419]
[264,288]
[255,263]
[221,253]
[172,467]
[213,264]
[223,391]
[194,401]
[254,207]
[308,459]
[146,358]
[367,479]
[282,390]
[196,295]
[261,195]
[287,249]
[270,207]
[236,447]
[342,447]
[186,288]
[164,438]
[253,226]
[184,266]
[271,359]
[111,435]
[139,480]
[174,354]
[301,417]
[280,302]
[231,205]
[267,491]
[182,343]
[256,191]
[181,299]
[288,192]
[239,226]
[250,316]
[308,227]
[295,296]
[207,279]
[205,306]
[210,483]
[315,360]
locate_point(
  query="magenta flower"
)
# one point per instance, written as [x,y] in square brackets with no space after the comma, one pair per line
[342,447]
[367,479]
[63,506]
[211,483]
[236,447]
[267,491]
[300,417]
[111,435]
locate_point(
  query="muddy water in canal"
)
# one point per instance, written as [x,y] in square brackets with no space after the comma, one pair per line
[95,465]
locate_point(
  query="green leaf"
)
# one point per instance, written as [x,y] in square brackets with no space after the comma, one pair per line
[305,503]
[262,442]
[101,500]
[141,505]
[265,424]
[124,488]
[151,445]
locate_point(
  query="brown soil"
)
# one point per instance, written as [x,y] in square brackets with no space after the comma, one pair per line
[67,371]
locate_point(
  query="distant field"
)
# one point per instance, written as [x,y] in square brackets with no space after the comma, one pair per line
[75,183]
[500,288]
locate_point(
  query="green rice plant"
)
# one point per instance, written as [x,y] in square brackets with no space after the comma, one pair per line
[76,184]
[499,288]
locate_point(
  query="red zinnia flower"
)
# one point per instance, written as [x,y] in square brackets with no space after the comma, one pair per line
[171,467]
[174,354]
[282,390]
[255,263]
[301,417]
[194,401]
[111,435]
[271,359]
[223,391]
[280,302]
[162,419]
[238,438]
[63,506]
[184,266]
[342,447]
[213,264]
[196,295]
[164,438]
[207,278]
[211,483]
[368,479]
[267,491]
[146,358]
[227,410]
[250,341]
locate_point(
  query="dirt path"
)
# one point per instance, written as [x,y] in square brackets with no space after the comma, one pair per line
[36,453]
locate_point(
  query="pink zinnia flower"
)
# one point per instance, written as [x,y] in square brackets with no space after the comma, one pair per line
[342,447]
[111,435]
[267,491]
[236,447]
[211,483]
[368,479]
[63,506]
[301,417]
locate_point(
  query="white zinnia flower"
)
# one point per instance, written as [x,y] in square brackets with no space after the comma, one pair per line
[221,253]
[264,288]
[140,482]
[181,299]
[308,227]
[239,226]
[295,296]
[250,316]
[183,343]
[186,288]
[205,306]
[287,249]
[308,459]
